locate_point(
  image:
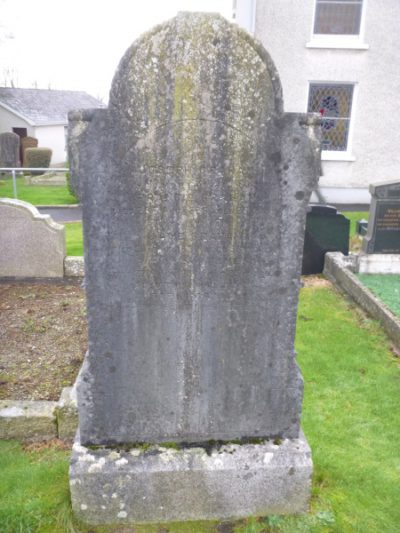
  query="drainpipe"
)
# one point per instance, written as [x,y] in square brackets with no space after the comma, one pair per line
[246,14]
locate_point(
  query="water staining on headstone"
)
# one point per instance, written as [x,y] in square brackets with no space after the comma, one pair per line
[195,186]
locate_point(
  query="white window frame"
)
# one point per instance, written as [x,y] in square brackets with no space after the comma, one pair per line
[349,42]
[340,155]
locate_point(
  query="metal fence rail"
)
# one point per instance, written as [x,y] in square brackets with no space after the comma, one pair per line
[13,171]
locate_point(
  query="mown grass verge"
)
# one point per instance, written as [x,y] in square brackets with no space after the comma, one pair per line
[37,194]
[350,417]
[74,238]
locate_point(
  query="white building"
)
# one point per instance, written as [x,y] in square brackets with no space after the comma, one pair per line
[42,113]
[341,58]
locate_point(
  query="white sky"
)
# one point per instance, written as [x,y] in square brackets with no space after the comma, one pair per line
[77,44]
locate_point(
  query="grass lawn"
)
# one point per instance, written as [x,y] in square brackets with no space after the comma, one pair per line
[37,194]
[353,216]
[355,241]
[350,417]
[384,286]
[74,238]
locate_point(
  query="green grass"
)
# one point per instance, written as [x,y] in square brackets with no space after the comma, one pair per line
[37,194]
[353,217]
[350,416]
[384,286]
[74,238]
[33,490]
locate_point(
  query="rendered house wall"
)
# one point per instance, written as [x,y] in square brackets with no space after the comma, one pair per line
[285,28]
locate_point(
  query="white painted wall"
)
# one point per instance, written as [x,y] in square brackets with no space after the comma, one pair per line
[52,137]
[8,121]
[48,136]
[285,28]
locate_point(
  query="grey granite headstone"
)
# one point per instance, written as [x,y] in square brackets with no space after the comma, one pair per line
[194,202]
[9,149]
[195,186]
[383,234]
[326,231]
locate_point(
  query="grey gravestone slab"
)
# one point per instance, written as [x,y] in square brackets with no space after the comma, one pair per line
[362,227]
[31,244]
[326,231]
[27,142]
[9,150]
[383,234]
[194,201]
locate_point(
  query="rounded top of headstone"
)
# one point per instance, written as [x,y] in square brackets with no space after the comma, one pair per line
[201,56]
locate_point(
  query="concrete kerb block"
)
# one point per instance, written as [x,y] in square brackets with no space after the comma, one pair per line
[165,484]
[378,263]
[38,420]
[66,413]
[74,266]
[28,421]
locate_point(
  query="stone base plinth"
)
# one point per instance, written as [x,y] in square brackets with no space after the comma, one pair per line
[162,484]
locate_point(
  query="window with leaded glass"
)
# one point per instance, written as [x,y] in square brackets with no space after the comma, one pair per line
[338,17]
[333,102]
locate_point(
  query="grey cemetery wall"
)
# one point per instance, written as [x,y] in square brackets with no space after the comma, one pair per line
[195,186]
[31,244]
[9,149]
[383,234]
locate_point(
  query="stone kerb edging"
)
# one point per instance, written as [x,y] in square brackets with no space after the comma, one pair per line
[74,266]
[378,263]
[339,269]
[32,421]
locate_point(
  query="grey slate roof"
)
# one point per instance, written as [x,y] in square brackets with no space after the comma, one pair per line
[46,106]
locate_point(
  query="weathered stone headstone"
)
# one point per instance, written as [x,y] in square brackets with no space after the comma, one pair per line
[326,231]
[9,149]
[194,186]
[383,235]
[27,142]
[31,244]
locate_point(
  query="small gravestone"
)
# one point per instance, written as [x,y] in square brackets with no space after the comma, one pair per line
[326,231]
[31,244]
[383,235]
[9,150]
[362,227]
[27,142]
[195,185]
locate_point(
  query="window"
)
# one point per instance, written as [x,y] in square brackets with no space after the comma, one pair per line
[333,102]
[338,17]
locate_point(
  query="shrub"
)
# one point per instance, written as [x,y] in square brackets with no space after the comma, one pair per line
[38,157]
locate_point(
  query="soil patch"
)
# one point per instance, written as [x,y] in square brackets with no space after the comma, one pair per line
[315,281]
[43,339]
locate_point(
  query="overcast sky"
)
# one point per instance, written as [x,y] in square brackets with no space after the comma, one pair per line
[77,44]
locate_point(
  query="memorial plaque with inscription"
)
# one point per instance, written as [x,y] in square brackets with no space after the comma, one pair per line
[383,236]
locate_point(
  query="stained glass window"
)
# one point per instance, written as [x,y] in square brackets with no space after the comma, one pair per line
[333,102]
[338,17]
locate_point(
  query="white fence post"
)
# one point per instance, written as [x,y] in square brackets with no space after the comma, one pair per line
[14,183]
